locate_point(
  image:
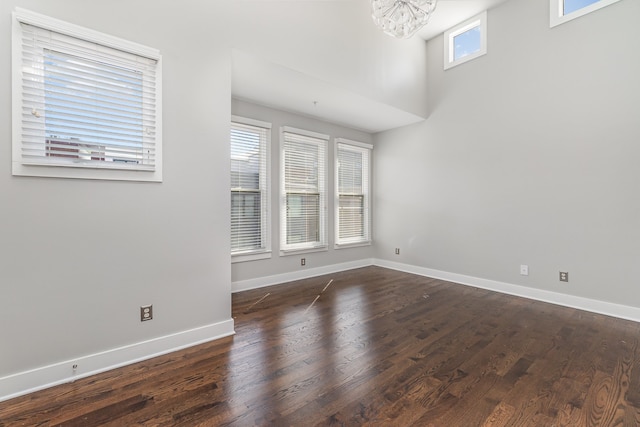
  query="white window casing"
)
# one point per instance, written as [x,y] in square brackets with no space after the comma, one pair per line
[558,16]
[86,104]
[303,192]
[352,195]
[477,23]
[250,189]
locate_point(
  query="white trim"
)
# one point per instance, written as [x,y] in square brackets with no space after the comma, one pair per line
[265,189]
[42,21]
[250,256]
[449,36]
[323,186]
[558,17]
[352,142]
[580,303]
[304,132]
[594,306]
[59,373]
[306,250]
[363,148]
[250,122]
[338,246]
[21,168]
[261,282]
[16,94]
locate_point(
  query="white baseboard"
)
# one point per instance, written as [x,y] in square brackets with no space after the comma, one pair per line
[260,282]
[594,306]
[48,376]
[59,373]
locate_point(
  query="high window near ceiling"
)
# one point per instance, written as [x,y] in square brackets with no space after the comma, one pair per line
[465,41]
[353,203]
[303,196]
[250,195]
[561,11]
[86,104]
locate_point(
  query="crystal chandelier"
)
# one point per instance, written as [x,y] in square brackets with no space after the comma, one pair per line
[402,18]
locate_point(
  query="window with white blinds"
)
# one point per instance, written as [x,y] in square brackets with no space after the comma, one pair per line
[303,202]
[353,204]
[86,101]
[249,186]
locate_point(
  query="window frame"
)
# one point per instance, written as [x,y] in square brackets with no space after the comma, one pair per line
[450,35]
[322,146]
[559,17]
[356,146]
[265,194]
[102,171]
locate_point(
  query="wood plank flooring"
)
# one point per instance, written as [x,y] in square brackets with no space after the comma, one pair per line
[380,348]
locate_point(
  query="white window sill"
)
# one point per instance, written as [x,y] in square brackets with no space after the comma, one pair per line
[287,252]
[351,245]
[252,256]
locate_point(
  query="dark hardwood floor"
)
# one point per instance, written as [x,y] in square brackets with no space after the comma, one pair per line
[379,347]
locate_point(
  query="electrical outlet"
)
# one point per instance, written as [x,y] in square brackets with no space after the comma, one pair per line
[564,276]
[146,313]
[397,251]
[303,261]
[524,270]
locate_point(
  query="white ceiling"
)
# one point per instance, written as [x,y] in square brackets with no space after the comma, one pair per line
[273,85]
[266,83]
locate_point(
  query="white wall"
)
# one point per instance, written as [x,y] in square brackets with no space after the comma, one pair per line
[79,257]
[529,156]
[256,273]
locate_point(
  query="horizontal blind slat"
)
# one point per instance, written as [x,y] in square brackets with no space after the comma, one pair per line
[86,103]
[303,224]
[249,188]
[353,216]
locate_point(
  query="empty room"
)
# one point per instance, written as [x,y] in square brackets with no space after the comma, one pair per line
[319,213]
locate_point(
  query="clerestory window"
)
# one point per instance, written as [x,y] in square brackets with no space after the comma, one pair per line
[465,41]
[561,11]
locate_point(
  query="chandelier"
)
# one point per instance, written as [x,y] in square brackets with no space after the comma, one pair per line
[402,18]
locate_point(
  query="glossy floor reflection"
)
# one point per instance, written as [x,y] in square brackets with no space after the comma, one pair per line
[379,347]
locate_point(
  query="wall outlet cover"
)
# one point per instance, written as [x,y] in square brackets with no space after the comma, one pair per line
[146,312]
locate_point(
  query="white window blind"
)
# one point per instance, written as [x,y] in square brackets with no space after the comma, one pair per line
[353,218]
[304,198]
[85,104]
[249,186]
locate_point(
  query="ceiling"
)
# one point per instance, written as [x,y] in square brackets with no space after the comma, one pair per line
[266,83]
